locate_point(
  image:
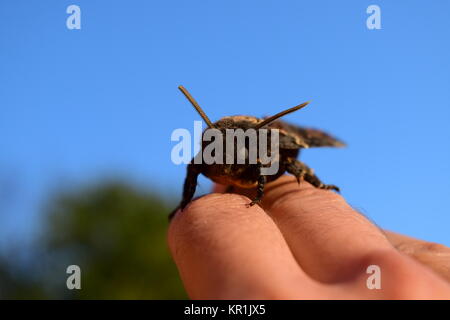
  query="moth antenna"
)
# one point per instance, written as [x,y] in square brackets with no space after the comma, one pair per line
[196,106]
[280,114]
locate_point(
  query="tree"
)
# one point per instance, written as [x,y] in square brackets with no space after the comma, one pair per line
[116,234]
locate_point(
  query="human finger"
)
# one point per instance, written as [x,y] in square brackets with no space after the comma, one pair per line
[223,249]
[433,255]
[328,238]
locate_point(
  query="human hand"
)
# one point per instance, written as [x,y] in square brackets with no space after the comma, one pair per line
[302,243]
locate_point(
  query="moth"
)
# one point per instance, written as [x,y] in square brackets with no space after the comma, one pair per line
[291,139]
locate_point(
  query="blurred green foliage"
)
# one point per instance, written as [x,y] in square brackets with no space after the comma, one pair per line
[115,233]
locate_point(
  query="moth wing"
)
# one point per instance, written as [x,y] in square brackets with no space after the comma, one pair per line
[319,138]
[309,137]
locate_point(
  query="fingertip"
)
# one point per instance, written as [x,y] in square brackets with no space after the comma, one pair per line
[224,249]
[213,209]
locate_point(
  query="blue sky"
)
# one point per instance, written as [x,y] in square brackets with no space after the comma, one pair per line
[77,106]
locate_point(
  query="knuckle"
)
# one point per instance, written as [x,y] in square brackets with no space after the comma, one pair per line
[418,248]
[434,247]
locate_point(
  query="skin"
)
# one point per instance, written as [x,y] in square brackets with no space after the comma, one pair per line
[301,243]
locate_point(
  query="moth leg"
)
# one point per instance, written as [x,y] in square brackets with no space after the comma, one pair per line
[316,182]
[190,184]
[299,170]
[260,188]
[296,168]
